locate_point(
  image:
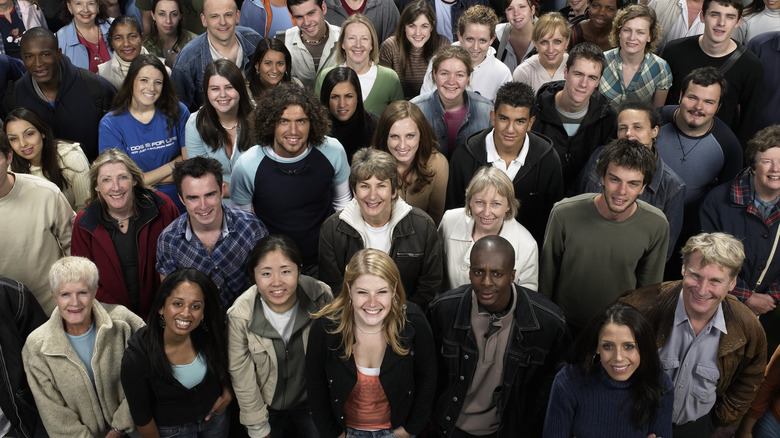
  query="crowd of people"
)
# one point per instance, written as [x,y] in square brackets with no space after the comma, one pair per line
[389,219]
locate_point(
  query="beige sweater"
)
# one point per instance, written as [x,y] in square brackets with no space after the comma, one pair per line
[36,225]
[68,403]
[75,169]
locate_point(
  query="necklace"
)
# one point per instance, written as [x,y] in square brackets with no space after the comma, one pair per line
[683,159]
[370,333]
[231,128]
[315,43]
[121,222]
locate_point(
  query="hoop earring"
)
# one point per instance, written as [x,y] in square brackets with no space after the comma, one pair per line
[161,321]
[596,359]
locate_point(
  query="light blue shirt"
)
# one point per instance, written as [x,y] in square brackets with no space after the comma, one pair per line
[691,362]
[191,374]
[84,345]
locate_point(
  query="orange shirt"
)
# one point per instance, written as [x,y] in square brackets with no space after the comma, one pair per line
[367,407]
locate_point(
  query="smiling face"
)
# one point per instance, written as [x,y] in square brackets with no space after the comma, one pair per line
[202,197]
[166,17]
[271,68]
[276,277]
[602,12]
[510,125]
[618,351]
[698,106]
[343,101]
[491,274]
[375,198]
[766,174]
[635,36]
[26,140]
[772,5]
[357,45]
[147,86]
[418,32]
[519,13]
[74,302]
[488,209]
[403,141]
[126,42]
[183,310]
[83,11]
[704,287]
[551,49]
[635,125]
[582,79]
[41,58]
[578,6]
[222,96]
[371,298]
[452,77]
[719,22]
[310,18]
[115,186]
[622,186]
[476,40]
[220,19]
[292,132]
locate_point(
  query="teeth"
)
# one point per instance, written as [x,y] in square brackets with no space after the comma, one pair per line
[182,324]
[372,312]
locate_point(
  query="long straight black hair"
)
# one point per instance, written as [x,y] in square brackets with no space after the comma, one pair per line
[50,163]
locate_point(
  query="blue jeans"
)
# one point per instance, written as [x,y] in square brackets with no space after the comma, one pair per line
[293,423]
[384,433]
[217,427]
[767,426]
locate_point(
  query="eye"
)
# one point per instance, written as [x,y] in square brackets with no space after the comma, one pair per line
[196,306]
[629,346]
[606,346]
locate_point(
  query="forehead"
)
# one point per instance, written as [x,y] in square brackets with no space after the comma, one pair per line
[149,71]
[491,259]
[604,3]
[293,112]
[37,44]
[488,192]
[710,270]
[124,28]
[357,29]
[637,23]
[519,3]
[586,66]
[18,125]
[773,153]
[452,64]
[187,291]
[513,112]
[632,116]
[555,33]
[305,7]
[624,173]
[721,8]
[404,125]
[709,92]
[477,30]
[343,88]
[205,184]
[421,19]
[218,6]
[166,5]
[111,169]
[74,286]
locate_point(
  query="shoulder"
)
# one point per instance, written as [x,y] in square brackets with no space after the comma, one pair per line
[545,311]
[249,37]
[31,183]
[384,73]
[437,162]
[476,100]
[334,152]
[122,315]
[243,305]
[424,100]
[574,203]
[651,211]
[446,302]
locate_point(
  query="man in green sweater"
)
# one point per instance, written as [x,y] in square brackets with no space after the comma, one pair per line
[598,246]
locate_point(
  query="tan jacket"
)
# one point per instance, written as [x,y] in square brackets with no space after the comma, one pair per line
[253,365]
[741,353]
[69,405]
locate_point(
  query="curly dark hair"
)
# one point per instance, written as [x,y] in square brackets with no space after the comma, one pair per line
[627,153]
[266,116]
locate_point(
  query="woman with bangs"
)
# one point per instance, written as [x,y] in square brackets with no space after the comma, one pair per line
[514,38]
[633,72]
[147,123]
[84,39]
[358,49]
[352,126]
[167,35]
[411,48]
[220,129]
[423,171]
[551,37]
[371,365]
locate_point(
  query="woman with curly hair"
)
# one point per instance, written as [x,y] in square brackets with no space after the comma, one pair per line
[409,50]
[404,132]
[371,365]
[37,152]
[147,123]
[633,71]
[614,384]
[220,129]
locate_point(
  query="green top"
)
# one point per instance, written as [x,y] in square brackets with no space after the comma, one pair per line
[191,10]
[155,45]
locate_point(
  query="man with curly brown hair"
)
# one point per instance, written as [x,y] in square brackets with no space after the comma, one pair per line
[297,176]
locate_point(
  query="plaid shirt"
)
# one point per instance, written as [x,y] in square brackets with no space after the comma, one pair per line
[653,74]
[750,227]
[179,247]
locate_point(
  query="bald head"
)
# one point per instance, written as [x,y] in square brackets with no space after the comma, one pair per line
[492,271]
[494,244]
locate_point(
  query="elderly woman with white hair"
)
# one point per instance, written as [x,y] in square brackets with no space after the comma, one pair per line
[490,209]
[72,360]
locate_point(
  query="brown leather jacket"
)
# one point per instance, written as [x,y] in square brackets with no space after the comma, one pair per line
[742,351]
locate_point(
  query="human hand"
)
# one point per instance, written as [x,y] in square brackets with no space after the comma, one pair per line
[760,303]
[114,434]
[401,433]
[220,404]
[343,435]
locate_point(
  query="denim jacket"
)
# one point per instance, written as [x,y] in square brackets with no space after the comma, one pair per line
[75,51]
[537,347]
[477,117]
[195,56]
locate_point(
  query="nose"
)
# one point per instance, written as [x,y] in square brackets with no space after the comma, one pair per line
[293,127]
[619,354]
[168,19]
[630,134]
[621,188]
[115,185]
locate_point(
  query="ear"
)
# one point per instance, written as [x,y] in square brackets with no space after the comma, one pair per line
[203,20]
[324,8]
[492,118]
[732,283]
[533,119]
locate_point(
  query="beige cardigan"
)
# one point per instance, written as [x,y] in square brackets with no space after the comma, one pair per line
[68,403]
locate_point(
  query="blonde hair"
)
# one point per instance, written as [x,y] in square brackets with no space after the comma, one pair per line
[72,269]
[341,55]
[340,311]
[490,176]
[110,156]
[718,249]
[548,23]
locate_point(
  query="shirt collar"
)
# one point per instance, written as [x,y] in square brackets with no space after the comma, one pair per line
[188,233]
[717,321]
[492,152]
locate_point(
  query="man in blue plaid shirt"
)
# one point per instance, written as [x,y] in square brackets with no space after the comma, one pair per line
[209,237]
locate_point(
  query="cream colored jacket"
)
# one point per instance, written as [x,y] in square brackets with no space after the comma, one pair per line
[68,403]
[253,365]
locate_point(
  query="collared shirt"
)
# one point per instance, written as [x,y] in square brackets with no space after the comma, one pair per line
[496,161]
[691,362]
[179,247]
[654,74]
[215,55]
[680,28]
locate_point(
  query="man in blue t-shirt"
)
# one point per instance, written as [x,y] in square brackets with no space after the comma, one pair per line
[297,176]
